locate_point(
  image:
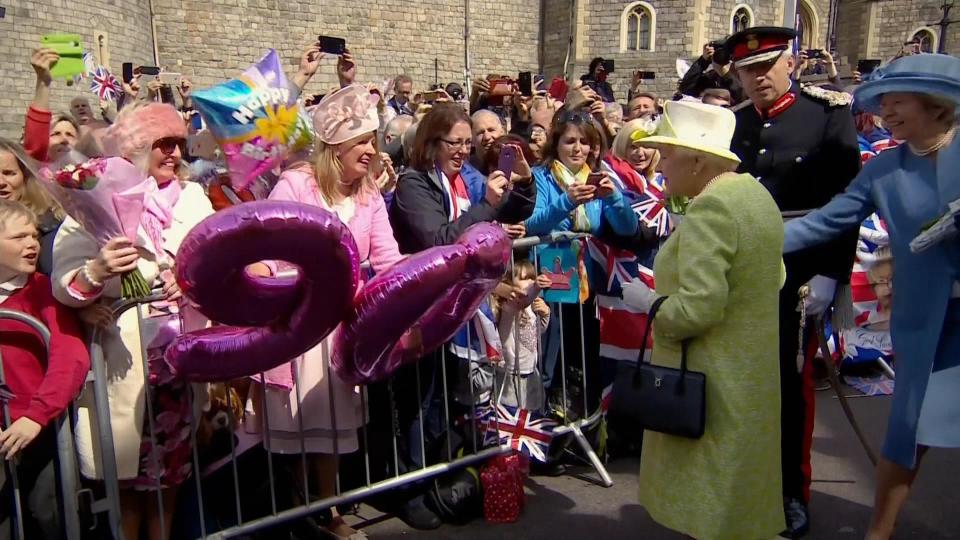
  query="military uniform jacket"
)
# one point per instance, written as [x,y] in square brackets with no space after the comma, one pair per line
[804,150]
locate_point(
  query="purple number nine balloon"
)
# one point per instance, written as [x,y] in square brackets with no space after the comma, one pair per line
[419,304]
[272,319]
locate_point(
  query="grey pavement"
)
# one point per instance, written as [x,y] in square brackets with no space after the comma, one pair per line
[569,507]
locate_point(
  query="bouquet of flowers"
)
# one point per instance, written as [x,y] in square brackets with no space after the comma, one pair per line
[106,197]
[677,204]
[937,231]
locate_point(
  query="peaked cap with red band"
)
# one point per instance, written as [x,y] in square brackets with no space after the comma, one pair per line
[759,44]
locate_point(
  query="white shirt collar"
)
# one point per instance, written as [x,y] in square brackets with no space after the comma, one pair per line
[12,285]
[7,288]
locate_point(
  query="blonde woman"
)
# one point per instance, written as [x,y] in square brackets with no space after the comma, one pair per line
[337,180]
[17,183]
[152,136]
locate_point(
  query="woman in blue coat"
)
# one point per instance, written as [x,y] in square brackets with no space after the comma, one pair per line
[910,186]
[567,200]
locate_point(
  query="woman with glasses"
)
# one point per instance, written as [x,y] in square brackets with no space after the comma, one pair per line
[436,200]
[153,137]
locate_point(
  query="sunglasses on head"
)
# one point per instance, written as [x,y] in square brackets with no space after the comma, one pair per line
[579,116]
[168,144]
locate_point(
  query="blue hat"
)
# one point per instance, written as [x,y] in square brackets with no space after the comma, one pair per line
[932,74]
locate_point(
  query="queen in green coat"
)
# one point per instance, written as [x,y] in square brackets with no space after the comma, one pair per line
[721,271]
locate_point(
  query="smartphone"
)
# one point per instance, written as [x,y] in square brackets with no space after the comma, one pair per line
[71,54]
[814,53]
[595,178]
[171,79]
[525,82]
[866,67]
[332,45]
[431,96]
[608,66]
[196,121]
[127,72]
[508,156]
[646,75]
[499,88]
[166,95]
[558,89]
[148,70]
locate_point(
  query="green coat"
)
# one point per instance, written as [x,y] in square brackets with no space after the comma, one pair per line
[722,270]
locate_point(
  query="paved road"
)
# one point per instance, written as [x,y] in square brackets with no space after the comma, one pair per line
[569,508]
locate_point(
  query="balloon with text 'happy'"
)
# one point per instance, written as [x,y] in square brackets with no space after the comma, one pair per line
[267,320]
[255,119]
[418,304]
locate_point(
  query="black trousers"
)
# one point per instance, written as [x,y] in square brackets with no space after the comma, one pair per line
[793,401]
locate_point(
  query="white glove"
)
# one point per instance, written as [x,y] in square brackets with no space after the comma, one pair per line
[821,294]
[637,295]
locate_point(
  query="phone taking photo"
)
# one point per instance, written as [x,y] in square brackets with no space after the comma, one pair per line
[595,178]
[148,70]
[525,82]
[866,67]
[127,72]
[332,45]
[608,66]
[508,157]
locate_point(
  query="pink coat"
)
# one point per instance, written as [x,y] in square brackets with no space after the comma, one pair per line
[369,225]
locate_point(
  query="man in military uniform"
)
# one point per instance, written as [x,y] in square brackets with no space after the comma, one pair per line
[801,144]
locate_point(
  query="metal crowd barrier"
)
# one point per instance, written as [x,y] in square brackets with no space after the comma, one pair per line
[475,451]
[65,464]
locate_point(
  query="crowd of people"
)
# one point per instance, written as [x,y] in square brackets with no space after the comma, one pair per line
[742,144]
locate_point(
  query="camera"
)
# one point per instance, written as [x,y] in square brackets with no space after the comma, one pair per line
[721,56]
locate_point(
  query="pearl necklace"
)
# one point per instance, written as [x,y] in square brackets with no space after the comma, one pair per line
[943,141]
[714,179]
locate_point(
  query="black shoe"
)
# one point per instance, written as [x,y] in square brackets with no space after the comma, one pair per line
[798,518]
[550,468]
[416,514]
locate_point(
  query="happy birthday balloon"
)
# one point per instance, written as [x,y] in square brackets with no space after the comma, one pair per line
[273,319]
[254,119]
[419,304]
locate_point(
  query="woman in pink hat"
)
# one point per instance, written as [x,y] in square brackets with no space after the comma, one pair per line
[338,179]
[153,137]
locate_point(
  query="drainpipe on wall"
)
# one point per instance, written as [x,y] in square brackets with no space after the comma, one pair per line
[570,42]
[541,50]
[466,47]
[153,36]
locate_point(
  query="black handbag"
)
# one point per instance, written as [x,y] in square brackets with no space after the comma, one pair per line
[661,399]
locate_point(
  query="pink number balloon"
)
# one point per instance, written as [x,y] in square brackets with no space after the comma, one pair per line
[419,304]
[273,319]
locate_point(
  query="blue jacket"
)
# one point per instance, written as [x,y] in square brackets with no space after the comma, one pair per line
[552,210]
[908,192]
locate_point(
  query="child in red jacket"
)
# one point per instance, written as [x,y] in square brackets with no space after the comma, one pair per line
[42,383]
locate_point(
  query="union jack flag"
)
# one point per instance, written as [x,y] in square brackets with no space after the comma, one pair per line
[525,431]
[104,84]
[479,339]
[620,337]
[650,206]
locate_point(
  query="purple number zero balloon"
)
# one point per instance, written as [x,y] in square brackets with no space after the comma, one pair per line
[419,304]
[273,319]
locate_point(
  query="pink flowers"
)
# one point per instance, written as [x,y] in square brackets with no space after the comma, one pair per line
[83,176]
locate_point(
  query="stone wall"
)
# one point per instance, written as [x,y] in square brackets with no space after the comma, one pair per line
[556,36]
[126,24]
[216,39]
[601,35]
[853,30]
[897,20]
